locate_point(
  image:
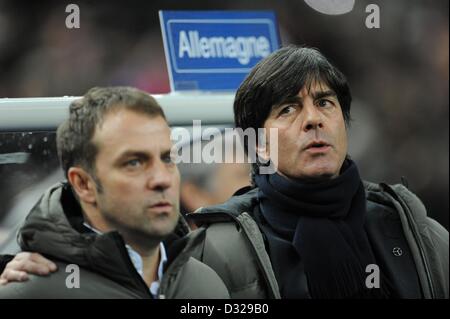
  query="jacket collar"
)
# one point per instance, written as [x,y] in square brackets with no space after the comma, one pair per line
[54,228]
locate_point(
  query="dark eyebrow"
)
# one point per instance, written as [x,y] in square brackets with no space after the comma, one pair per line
[289,100]
[138,154]
[321,94]
[298,100]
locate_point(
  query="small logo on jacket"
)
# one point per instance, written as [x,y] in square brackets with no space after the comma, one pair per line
[397,251]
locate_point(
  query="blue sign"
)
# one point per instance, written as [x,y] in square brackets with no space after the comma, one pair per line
[215,50]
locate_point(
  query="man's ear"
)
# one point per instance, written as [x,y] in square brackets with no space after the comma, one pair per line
[263,146]
[263,152]
[83,184]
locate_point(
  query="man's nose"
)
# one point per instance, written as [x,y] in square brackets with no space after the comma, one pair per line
[160,178]
[312,117]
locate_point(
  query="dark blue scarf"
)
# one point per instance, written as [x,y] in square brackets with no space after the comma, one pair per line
[325,223]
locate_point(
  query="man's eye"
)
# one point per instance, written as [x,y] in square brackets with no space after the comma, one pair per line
[324,103]
[287,110]
[133,163]
[167,159]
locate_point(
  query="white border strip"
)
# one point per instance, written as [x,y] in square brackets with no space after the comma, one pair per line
[19,114]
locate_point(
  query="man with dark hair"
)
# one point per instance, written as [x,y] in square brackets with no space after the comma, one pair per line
[116,223]
[314,229]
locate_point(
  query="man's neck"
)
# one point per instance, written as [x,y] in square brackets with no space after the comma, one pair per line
[150,254]
[150,263]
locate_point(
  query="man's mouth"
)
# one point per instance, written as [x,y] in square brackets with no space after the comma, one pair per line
[163,203]
[317,146]
[161,206]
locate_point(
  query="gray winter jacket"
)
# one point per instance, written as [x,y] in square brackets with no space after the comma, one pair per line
[234,246]
[54,229]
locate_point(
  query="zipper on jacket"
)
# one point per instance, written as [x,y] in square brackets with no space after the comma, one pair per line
[412,226]
[138,280]
[181,257]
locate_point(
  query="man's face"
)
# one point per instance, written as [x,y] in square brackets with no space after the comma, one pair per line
[140,183]
[312,137]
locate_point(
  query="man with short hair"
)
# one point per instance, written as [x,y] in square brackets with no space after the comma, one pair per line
[314,229]
[117,219]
